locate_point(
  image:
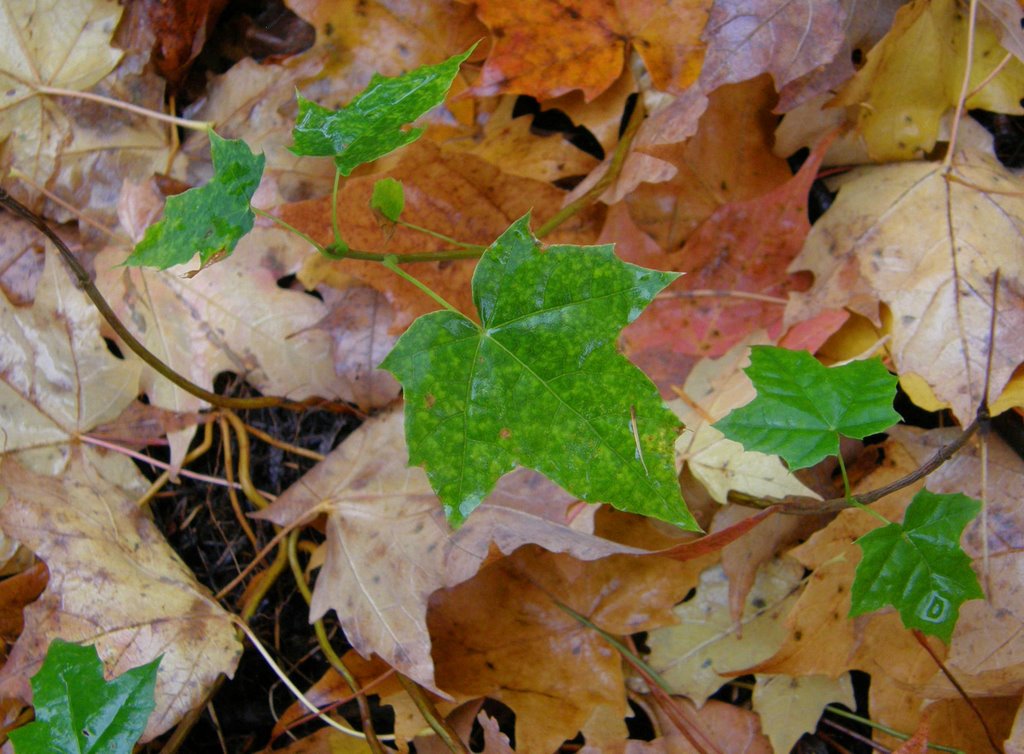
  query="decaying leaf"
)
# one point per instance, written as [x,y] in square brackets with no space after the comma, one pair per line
[927,248]
[114,583]
[389,548]
[231,317]
[65,46]
[57,377]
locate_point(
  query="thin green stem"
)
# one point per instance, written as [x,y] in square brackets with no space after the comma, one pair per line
[840,712]
[851,499]
[610,175]
[444,255]
[339,242]
[391,263]
[434,718]
[441,236]
[291,229]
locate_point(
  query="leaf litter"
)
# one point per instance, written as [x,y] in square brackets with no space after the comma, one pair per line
[907,252]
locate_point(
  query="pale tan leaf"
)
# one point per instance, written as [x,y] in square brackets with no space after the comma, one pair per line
[888,239]
[696,656]
[232,317]
[44,43]
[57,377]
[790,706]
[114,583]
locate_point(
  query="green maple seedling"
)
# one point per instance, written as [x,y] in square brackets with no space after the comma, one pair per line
[801,409]
[802,406]
[539,383]
[208,220]
[78,711]
[918,566]
[388,198]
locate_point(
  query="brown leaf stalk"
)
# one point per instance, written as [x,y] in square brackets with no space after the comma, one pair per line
[85,283]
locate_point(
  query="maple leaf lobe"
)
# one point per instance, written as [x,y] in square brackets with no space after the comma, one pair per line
[540,383]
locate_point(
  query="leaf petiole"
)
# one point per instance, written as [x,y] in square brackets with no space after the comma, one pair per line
[441,236]
[338,241]
[291,229]
[849,496]
[391,262]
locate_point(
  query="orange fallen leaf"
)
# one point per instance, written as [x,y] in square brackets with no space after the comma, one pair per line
[453,193]
[502,635]
[389,548]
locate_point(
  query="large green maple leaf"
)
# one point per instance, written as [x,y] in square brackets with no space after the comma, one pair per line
[539,383]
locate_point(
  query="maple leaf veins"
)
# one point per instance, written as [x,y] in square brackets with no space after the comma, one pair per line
[540,383]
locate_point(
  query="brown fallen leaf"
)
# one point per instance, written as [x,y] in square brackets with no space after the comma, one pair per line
[389,547]
[114,583]
[502,635]
[17,592]
[453,193]
[927,248]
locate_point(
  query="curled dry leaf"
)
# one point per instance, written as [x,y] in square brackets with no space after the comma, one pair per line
[115,583]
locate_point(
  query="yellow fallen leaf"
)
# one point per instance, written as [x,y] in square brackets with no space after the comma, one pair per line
[790,706]
[697,656]
[915,74]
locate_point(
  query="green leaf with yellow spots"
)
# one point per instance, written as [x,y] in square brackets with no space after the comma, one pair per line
[540,383]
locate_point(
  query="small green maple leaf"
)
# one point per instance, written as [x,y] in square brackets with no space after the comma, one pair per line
[373,123]
[388,198]
[918,567]
[802,406]
[209,219]
[539,383]
[78,711]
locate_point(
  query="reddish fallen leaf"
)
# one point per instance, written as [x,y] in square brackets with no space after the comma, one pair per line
[453,193]
[744,247]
